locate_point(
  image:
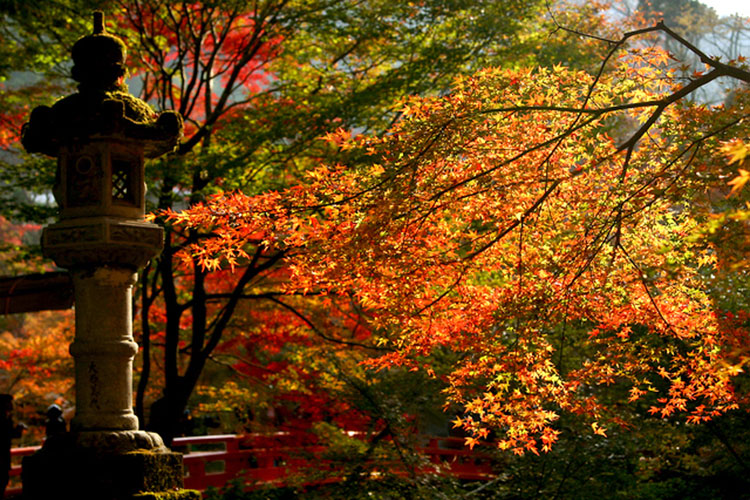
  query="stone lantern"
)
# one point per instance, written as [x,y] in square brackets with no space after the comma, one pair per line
[100,137]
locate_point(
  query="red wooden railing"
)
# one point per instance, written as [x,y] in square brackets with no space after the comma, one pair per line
[16,454]
[270,459]
[260,460]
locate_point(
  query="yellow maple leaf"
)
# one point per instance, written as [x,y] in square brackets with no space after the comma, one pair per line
[736,151]
[598,430]
[739,182]
[471,442]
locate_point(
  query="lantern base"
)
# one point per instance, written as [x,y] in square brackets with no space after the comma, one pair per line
[105,466]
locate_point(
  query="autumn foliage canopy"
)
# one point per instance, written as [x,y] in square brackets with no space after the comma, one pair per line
[558,231]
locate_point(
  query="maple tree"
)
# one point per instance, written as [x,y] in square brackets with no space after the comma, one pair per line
[35,366]
[258,84]
[525,212]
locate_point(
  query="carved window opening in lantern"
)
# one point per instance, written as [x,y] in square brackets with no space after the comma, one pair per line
[122,181]
[83,181]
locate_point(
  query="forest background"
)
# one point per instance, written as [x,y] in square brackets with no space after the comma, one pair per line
[518,222]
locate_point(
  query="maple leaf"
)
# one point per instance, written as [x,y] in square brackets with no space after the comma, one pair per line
[739,182]
[601,431]
[736,151]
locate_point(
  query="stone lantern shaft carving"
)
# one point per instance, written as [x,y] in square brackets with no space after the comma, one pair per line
[100,137]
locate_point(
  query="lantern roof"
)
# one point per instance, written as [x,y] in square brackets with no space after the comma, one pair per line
[102,107]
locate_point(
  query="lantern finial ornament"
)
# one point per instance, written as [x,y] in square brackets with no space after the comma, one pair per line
[99,59]
[99,22]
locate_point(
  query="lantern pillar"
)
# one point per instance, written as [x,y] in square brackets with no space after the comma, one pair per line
[103,353]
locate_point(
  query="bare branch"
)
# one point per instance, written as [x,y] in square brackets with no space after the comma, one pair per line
[319,333]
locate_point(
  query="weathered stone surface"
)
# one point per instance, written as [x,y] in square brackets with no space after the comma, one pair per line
[111,442]
[99,58]
[102,241]
[111,114]
[101,176]
[103,349]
